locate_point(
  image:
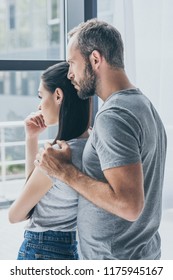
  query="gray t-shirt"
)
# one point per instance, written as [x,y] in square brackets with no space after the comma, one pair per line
[127,130]
[57,209]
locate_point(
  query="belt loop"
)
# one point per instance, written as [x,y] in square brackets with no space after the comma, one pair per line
[40,237]
[73,236]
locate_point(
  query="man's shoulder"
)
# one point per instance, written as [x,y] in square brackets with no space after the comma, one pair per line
[122,99]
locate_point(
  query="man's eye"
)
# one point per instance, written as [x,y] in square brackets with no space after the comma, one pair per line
[70,63]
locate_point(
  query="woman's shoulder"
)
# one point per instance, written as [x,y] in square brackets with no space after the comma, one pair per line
[76,143]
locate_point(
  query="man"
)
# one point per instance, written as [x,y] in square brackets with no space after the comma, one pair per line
[124,158]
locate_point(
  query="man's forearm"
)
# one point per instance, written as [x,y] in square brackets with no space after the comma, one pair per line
[98,192]
[122,193]
[122,202]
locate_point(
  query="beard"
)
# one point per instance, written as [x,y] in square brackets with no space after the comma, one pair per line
[87,86]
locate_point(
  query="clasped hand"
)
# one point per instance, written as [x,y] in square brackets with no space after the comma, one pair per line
[53,161]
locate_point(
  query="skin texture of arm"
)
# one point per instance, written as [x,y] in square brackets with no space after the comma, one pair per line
[30,154]
[122,195]
[35,188]
[34,125]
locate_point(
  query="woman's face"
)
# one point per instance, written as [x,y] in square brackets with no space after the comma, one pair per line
[49,105]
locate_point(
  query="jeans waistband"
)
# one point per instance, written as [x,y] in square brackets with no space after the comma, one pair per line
[50,235]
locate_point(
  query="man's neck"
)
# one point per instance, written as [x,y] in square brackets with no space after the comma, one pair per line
[113,81]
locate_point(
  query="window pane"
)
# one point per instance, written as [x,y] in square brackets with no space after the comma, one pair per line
[18,98]
[54,34]
[31,29]
[18,94]
[18,83]
[55,9]
[16,171]
[106,10]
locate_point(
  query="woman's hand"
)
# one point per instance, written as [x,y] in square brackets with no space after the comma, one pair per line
[34,124]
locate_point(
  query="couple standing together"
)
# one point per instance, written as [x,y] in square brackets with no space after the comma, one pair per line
[107,181]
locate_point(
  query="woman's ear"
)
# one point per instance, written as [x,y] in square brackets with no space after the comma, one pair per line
[58,95]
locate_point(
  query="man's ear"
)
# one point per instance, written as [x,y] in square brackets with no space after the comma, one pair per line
[95,59]
[58,95]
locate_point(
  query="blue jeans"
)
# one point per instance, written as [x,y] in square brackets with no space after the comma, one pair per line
[48,245]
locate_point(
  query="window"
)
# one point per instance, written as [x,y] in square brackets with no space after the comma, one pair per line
[34,31]
[32,37]
[36,42]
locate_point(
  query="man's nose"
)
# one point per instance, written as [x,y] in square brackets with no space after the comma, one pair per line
[70,75]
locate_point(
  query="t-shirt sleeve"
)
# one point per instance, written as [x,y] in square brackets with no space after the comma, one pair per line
[117,138]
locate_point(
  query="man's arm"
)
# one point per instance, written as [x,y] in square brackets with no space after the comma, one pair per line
[123,195]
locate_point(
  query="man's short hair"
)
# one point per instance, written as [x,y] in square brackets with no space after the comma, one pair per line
[101,36]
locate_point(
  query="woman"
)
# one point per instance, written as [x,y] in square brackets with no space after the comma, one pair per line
[51,205]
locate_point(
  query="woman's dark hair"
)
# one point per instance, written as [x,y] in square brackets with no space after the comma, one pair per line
[74,112]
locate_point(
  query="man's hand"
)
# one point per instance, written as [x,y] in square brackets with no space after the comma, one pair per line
[55,162]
